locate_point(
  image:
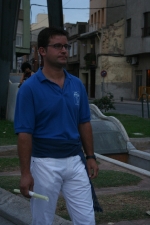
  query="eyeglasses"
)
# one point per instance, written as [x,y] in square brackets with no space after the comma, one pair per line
[60,46]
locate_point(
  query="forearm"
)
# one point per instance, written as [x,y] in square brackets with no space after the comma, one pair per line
[24,152]
[85,131]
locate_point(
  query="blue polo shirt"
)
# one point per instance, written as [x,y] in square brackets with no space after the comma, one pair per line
[50,113]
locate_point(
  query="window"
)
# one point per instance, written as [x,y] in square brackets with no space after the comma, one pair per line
[81,29]
[146,29]
[128,27]
[95,18]
[71,50]
[99,18]
[91,19]
[19,40]
[19,33]
[93,45]
[75,48]
[102,15]
[20,27]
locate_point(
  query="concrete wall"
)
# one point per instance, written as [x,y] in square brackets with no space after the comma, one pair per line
[140,159]
[135,44]
[115,11]
[11,101]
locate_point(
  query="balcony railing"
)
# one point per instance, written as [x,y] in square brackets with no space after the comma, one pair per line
[145,31]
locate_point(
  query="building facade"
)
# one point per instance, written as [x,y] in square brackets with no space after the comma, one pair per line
[22,43]
[41,21]
[103,66]
[137,45]
[74,31]
[34,57]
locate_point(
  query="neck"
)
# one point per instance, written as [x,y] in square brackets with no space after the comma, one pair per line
[55,75]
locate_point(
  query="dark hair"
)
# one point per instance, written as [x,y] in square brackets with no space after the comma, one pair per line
[24,66]
[49,32]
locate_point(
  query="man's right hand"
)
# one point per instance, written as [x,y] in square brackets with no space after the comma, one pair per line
[26,184]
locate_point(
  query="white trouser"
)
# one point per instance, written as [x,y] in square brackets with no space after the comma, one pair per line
[69,176]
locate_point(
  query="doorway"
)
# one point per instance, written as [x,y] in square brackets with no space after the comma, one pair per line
[86,82]
[138,76]
[148,78]
[92,83]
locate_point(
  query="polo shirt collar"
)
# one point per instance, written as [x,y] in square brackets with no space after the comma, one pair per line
[41,76]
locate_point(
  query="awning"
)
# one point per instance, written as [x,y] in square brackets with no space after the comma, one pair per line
[88,34]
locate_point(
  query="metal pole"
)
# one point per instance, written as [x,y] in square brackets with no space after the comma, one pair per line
[147,107]
[9,11]
[103,87]
[142,107]
[55,13]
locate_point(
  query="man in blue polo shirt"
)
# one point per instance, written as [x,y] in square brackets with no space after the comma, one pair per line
[52,120]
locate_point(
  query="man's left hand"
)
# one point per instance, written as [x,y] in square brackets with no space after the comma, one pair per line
[92,168]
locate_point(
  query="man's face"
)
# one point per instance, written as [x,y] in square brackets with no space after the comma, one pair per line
[55,54]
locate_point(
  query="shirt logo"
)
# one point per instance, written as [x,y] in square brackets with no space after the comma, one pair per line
[76,98]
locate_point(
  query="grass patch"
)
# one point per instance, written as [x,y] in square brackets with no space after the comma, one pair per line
[9,164]
[110,178]
[105,178]
[9,183]
[116,207]
[7,135]
[133,124]
[124,206]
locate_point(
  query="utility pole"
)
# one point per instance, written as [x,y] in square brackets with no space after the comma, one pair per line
[55,13]
[9,11]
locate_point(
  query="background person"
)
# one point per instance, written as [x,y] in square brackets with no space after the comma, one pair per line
[27,72]
[52,120]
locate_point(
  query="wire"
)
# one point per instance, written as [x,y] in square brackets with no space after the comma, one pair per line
[82,8]
[38,5]
[66,2]
[107,7]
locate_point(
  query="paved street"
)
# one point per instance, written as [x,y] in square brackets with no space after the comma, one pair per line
[130,108]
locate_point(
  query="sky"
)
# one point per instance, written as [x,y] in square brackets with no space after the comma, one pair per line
[70,15]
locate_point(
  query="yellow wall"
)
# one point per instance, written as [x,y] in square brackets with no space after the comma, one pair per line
[41,21]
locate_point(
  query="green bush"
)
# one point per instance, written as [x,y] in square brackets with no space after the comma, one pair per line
[105,103]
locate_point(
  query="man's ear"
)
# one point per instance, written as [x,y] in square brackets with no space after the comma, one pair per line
[42,51]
